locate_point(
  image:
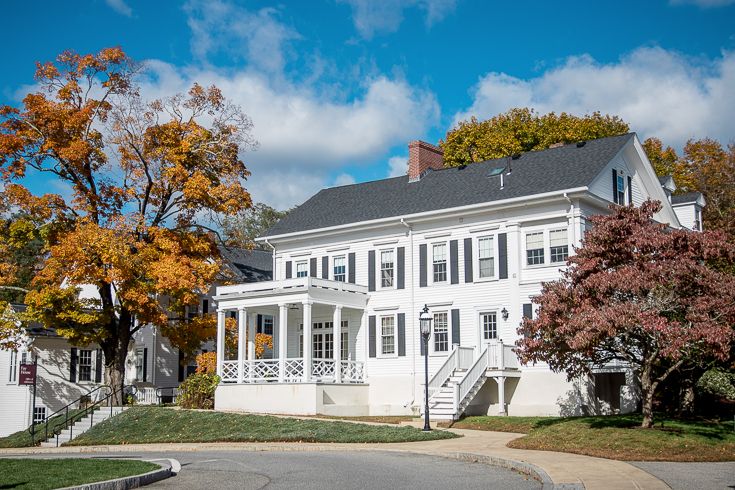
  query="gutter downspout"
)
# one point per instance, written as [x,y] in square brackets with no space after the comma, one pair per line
[413,307]
[570,215]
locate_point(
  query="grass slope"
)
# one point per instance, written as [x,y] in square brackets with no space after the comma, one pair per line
[22,438]
[139,425]
[617,436]
[41,474]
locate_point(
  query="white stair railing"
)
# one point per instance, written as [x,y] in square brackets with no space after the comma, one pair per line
[473,375]
[444,372]
[465,357]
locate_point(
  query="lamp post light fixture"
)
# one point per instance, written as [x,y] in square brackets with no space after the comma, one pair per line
[425,326]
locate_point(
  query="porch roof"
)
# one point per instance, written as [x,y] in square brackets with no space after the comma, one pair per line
[296,290]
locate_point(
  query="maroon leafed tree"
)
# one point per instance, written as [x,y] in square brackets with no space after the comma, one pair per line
[638,292]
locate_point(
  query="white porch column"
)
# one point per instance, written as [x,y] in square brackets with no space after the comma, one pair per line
[282,333]
[501,394]
[337,343]
[220,340]
[307,341]
[252,324]
[241,318]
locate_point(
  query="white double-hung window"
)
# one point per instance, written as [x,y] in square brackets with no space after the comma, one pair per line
[620,189]
[13,367]
[85,365]
[387,335]
[302,269]
[387,268]
[339,268]
[558,245]
[439,262]
[486,257]
[535,248]
[441,332]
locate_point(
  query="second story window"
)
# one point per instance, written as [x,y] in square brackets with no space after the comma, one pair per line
[535,248]
[386,268]
[340,269]
[620,189]
[559,247]
[302,269]
[486,259]
[439,262]
[85,365]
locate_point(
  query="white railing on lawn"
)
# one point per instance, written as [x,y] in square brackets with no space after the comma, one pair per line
[473,375]
[353,372]
[268,371]
[146,396]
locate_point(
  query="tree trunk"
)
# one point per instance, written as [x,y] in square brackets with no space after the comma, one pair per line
[686,401]
[647,390]
[115,348]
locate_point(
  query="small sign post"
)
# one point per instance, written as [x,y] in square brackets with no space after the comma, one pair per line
[27,376]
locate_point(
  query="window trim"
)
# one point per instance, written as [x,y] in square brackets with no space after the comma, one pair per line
[14,367]
[430,257]
[332,275]
[379,268]
[566,232]
[40,409]
[546,233]
[79,366]
[139,355]
[620,177]
[379,326]
[481,324]
[496,258]
[306,269]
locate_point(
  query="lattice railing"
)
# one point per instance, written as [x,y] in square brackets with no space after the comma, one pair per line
[353,372]
[322,368]
[294,370]
[264,370]
[229,372]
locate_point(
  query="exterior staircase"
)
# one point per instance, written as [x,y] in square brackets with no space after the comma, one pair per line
[82,425]
[441,403]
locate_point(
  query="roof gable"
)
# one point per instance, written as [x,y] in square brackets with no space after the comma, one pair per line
[555,169]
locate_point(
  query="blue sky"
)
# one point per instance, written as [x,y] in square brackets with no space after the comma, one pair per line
[337,88]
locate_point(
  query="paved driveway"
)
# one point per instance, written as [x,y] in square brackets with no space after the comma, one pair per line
[687,476]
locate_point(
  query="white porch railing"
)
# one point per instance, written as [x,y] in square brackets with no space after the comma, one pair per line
[473,375]
[290,285]
[460,358]
[268,371]
[501,356]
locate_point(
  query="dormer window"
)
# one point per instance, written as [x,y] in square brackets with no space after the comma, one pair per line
[620,189]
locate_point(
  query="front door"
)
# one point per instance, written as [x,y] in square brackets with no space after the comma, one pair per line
[488,327]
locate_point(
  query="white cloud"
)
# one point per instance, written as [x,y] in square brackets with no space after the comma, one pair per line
[658,92]
[397,166]
[703,3]
[385,16]
[120,7]
[344,179]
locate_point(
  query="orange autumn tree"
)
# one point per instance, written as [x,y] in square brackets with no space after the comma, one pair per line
[142,175]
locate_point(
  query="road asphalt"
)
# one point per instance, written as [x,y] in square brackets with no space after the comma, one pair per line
[688,476]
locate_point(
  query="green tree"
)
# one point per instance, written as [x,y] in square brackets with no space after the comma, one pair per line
[520,130]
[243,229]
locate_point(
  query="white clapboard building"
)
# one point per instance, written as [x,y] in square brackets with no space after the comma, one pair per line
[354,265]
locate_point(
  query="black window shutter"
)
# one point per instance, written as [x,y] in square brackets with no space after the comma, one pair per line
[454,261]
[325,267]
[527,310]
[259,324]
[468,260]
[351,267]
[145,364]
[98,366]
[401,334]
[73,365]
[615,186]
[422,266]
[312,267]
[401,268]
[289,266]
[455,326]
[371,270]
[503,252]
[371,335]
[205,306]
[181,366]
[630,190]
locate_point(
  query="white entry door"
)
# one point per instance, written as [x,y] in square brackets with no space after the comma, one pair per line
[488,327]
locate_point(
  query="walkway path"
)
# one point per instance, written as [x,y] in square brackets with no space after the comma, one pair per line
[570,469]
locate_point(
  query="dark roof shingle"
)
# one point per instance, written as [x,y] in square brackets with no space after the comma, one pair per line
[248,265]
[685,198]
[538,172]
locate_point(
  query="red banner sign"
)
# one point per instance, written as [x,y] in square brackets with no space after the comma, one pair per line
[27,374]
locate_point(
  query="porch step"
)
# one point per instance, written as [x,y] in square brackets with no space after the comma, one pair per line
[82,425]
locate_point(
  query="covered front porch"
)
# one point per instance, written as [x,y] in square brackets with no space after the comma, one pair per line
[318,328]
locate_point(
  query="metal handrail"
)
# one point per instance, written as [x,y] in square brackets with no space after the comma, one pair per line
[32,429]
[70,421]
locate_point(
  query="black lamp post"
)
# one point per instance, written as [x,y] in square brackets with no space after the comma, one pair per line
[425,325]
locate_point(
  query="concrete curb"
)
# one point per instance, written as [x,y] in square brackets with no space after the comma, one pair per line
[135,481]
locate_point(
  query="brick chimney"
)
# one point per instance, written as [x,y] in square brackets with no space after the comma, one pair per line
[421,157]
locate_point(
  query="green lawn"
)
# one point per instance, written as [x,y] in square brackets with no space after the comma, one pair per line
[617,436]
[40,474]
[139,425]
[23,438]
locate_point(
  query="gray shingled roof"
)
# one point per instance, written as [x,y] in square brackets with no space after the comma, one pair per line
[685,198]
[538,172]
[248,265]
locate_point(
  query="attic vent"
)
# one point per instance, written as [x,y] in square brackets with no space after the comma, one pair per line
[580,144]
[516,156]
[495,171]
